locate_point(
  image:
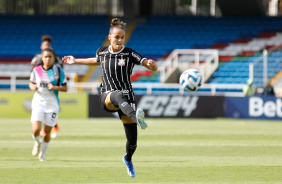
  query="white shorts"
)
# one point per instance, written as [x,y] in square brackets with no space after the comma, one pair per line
[49,119]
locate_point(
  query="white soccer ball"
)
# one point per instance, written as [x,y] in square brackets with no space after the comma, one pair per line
[191,80]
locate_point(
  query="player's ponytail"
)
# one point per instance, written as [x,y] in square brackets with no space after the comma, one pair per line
[46,38]
[116,23]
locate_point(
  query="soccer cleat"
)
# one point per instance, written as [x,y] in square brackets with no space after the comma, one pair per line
[140,119]
[35,149]
[55,131]
[130,169]
[41,157]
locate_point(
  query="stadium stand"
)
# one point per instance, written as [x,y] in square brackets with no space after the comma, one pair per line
[79,35]
[240,41]
[75,35]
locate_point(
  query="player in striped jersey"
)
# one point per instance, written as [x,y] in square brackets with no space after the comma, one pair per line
[46,80]
[116,93]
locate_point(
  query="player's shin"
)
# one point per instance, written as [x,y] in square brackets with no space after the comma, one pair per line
[36,139]
[131,135]
[44,146]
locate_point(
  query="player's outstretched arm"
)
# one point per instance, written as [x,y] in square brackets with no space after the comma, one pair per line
[150,64]
[88,61]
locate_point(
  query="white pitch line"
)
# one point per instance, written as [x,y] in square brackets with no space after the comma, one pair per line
[99,143]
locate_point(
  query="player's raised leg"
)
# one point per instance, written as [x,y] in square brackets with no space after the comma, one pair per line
[118,100]
[140,115]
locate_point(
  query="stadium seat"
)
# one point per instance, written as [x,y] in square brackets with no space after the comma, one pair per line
[239,40]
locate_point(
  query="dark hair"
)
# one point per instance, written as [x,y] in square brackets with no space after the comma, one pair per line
[39,61]
[116,23]
[49,49]
[46,38]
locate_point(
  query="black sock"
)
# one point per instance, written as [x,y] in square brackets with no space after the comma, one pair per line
[131,135]
[119,100]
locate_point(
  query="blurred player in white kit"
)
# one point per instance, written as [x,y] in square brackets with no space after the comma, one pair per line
[46,79]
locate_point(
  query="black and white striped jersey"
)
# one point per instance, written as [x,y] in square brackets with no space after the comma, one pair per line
[117,68]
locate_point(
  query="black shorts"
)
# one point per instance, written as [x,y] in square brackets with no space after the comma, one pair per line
[102,98]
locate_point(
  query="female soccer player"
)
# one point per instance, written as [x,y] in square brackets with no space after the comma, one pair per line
[46,80]
[36,60]
[116,92]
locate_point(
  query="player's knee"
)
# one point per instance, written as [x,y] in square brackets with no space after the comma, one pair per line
[36,132]
[119,95]
[132,142]
[108,103]
[116,97]
[133,146]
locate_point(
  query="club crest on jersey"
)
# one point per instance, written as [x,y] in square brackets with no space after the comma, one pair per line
[104,61]
[121,62]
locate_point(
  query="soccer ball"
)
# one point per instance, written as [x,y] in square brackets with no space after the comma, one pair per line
[191,80]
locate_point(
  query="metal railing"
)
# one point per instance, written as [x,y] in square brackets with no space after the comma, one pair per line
[12,80]
[206,68]
[166,89]
[264,59]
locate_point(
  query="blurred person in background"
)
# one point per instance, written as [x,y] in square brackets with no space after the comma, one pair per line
[46,79]
[116,92]
[249,90]
[268,89]
[37,59]
[45,43]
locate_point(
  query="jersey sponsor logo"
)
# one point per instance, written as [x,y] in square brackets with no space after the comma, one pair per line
[168,105]
[125,92]
[121,62]
[104,52]
[43,85]
[136,56]
[124,54]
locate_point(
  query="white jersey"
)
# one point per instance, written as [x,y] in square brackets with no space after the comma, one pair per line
[45,100]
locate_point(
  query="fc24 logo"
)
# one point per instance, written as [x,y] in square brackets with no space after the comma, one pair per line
[168,105]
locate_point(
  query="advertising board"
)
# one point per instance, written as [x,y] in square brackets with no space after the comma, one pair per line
[254,107]
[18,105]
[169,106]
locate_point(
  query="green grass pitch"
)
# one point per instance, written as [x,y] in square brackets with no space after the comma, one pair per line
[169,151]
